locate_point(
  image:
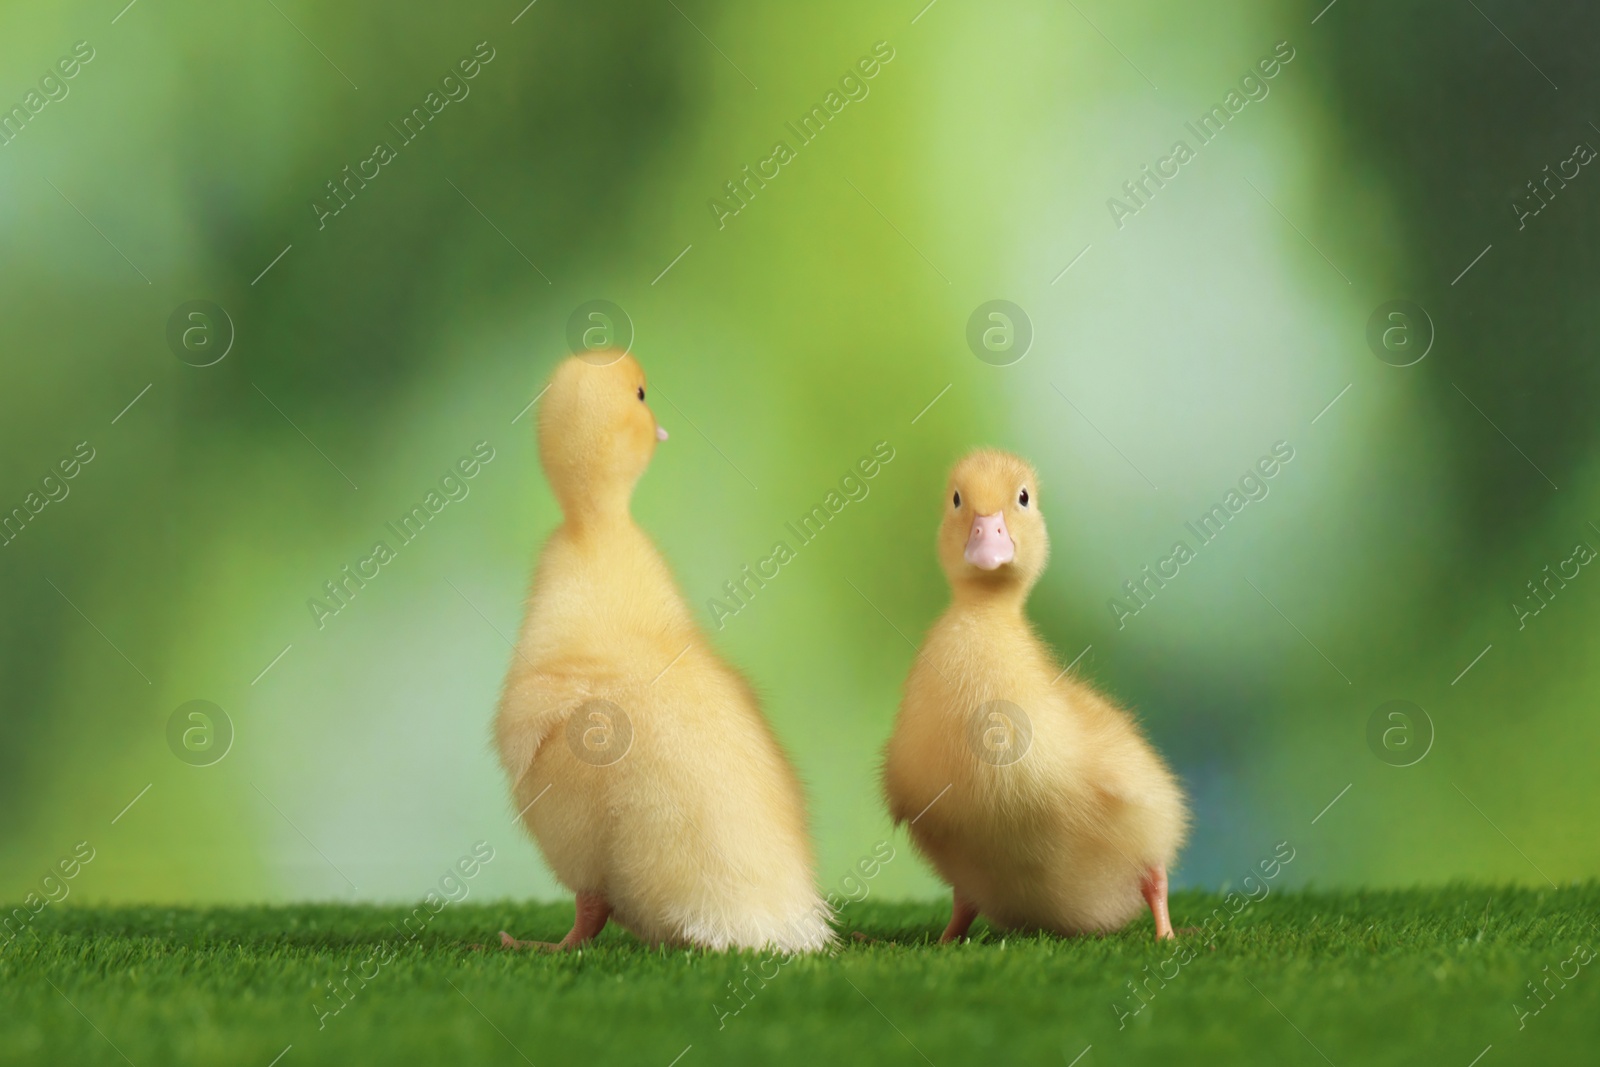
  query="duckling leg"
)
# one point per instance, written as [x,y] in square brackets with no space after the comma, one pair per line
[593,911]
[962,913]
[1154,887]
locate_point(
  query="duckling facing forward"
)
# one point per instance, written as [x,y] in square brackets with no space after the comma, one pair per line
[640,761]
[1035,797]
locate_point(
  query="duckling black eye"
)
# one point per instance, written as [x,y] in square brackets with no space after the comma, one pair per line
[1022,497]
[641,392]
[957,500]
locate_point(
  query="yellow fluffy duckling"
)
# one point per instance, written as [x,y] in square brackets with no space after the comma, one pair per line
[639,760]
[1035,797]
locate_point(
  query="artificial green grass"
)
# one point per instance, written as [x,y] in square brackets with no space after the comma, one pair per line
[1391,977]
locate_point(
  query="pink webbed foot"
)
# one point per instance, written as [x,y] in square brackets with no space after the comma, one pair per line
[593,911]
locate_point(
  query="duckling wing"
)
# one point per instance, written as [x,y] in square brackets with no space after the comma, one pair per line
[532,707]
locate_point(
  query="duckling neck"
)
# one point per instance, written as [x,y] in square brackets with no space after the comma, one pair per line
[597,514]
[602,534]
[991,599]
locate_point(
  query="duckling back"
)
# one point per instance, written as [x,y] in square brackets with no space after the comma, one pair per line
[639,759]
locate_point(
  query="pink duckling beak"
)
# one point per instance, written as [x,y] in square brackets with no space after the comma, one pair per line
[989,545]
[661,433]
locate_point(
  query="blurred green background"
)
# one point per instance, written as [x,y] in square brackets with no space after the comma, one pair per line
[1223,317]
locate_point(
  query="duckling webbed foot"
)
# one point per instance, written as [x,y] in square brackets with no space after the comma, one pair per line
[1154,887]
[593,911]
[962,914]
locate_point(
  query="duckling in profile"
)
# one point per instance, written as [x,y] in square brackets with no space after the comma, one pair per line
[1035,797]
[638,759]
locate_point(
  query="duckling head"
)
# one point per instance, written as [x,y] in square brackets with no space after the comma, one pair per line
[596,432]
[992,536]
